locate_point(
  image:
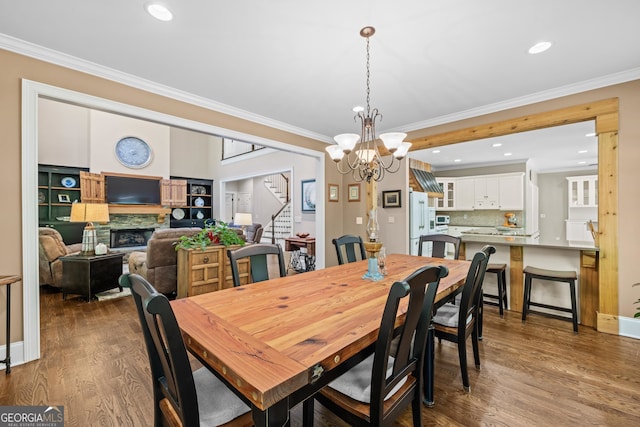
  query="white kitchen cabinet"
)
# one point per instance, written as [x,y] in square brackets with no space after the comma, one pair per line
[465,194]
[487,192]
[583,191]
[511,188]
[578,231]
[447,202]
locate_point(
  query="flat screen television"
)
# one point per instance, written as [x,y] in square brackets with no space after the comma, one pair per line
[124,190]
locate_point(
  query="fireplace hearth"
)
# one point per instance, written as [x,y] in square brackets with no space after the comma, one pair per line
[130,238]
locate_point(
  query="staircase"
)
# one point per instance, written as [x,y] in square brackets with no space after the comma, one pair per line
[281,226]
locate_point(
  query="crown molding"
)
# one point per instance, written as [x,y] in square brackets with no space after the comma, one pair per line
[58,58]
[572,89]
[48,55]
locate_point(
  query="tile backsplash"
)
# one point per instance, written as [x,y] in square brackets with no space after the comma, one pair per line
[481,218]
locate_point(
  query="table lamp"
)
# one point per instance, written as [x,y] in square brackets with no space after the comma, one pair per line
[243,219]
[89,213]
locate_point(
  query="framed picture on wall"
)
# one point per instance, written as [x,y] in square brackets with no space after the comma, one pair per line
[334,193]
[309,195]
[391,199]
[354,193]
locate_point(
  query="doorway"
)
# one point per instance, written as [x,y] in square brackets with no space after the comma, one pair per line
[31,92]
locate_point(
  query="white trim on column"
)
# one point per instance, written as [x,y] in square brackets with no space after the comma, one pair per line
[31,91]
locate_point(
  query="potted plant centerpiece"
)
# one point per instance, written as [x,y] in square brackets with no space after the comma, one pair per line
[213,233]
[203,265]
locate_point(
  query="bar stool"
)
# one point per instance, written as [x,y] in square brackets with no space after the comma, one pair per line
[500,270]
[556,276]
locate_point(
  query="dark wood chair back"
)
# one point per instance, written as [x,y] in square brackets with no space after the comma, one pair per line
[466,313]
[439,244]
[350,245]
[420,289]
[258,255]
[170,369]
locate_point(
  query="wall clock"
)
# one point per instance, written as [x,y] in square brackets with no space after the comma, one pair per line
[133,152]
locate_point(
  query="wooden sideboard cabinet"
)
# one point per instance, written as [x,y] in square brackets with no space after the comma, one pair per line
[201,271]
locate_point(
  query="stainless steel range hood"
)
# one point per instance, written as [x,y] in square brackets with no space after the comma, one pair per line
[421,179]
[427,181]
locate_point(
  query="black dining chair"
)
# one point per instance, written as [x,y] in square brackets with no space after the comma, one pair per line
[181,397]
[259,256]
[439,244]
[378,389]
[349,246]
[455,322]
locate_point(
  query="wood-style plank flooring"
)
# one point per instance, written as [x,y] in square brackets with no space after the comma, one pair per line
[537,374]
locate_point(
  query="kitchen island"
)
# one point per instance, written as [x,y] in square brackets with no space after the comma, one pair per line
[518,251]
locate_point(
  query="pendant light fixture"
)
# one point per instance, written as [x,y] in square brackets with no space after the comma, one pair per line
[362,154]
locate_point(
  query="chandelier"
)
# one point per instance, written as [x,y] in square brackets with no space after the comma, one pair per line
[361,151]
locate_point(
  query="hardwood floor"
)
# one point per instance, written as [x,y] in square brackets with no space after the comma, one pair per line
[94,363]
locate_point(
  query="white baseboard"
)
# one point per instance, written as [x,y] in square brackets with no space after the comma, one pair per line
[629,327]
[17,354]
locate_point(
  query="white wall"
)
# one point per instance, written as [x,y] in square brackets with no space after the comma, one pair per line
[69,135]
[302,168]
[192,154]
[107,129]
[63,134]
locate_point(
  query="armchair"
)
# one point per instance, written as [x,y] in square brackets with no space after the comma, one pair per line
[51,248]
[159,263]
[253,232]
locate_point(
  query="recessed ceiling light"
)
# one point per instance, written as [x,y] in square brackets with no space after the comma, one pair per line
[159,11]
[435,151]
[582,162]
[539,47]
[457,160]
[358,108]
[497,144]
[508,154]
[589,135]
[583,151]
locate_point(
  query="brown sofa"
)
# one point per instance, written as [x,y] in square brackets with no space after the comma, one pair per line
[159,263]
[51,248]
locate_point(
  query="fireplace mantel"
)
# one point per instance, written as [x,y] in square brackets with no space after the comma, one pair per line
[141,210]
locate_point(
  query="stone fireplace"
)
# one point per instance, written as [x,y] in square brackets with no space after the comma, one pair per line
[129,232]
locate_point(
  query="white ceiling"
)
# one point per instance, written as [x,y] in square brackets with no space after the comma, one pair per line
[300,65]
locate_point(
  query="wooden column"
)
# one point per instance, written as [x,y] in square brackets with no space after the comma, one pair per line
[516,280]
[589,300]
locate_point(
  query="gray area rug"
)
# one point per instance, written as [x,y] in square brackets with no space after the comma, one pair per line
[113,294]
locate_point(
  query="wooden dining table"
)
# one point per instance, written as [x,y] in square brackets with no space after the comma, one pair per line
[279,341]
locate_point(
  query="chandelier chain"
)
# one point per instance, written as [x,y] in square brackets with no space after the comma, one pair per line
[368,81]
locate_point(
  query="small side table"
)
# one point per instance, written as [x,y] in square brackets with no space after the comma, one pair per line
[89,274]
[8,280]
[303,253]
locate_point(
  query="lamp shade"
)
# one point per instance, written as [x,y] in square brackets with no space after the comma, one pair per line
[392,140]
[402,150]
[89,212]
[243,219]
[335,152]
[347,141]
